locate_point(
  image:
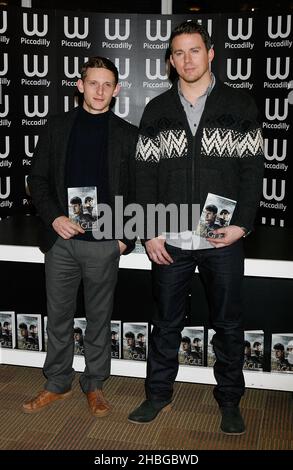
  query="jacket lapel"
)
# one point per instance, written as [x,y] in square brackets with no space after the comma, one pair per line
[114,148]
[63,134]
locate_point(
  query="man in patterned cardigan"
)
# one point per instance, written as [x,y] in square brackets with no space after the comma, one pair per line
[199,137]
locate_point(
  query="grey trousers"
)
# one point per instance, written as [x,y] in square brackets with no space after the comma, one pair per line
[66,263]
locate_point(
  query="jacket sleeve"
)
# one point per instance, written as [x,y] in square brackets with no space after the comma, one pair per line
[130,199]
[251,167]
[147,165]
[41,179]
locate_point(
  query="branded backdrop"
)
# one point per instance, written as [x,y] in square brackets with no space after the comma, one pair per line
[43,51]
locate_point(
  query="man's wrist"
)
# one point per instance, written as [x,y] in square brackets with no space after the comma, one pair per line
[246,232]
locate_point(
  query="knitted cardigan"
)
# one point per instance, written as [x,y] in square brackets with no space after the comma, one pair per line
[225,157]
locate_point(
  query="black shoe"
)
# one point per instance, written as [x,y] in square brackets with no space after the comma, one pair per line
[232,421]
[146,412]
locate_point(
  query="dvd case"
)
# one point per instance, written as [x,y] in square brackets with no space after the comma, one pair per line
[83,207]
[116,339]
[29,332]
[217,213]
[253,350]
[78,334]
[45,333]
[7,330]
[191,346]
[282,352]
[135,341]
[139,248]
[211,354]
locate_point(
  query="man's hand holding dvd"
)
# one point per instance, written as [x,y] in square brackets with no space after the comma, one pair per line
[66,228]
[214,224]
[226,236]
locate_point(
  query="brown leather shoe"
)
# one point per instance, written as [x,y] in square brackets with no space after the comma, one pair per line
[98,405]
[42,400]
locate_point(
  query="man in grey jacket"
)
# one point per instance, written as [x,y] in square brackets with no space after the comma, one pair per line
[85,153]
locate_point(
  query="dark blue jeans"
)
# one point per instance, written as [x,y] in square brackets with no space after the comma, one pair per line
[221,271]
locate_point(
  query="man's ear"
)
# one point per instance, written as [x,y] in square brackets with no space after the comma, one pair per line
[79,85]
[211,54]
[116,90]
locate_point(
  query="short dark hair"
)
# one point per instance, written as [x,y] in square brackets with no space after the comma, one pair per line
[191,27]
[98,62]
[88,198]
[23,326]
[224,211]
[211,208]
[279,346]
[78,330]
[76,200]
[185,339]
[129,334]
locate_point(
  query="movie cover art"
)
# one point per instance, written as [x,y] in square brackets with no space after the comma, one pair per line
[83,207]
[29,332]
[282,353]
[135,341]
[139,248]
[253,350]
[217,213]
[45,333]
[116,339]
[211,354]
[192,346]
[78,335]
[7,330]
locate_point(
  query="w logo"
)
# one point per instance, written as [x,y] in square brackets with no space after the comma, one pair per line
[35,69]
[276,115]
[239,75]
[76,33]
[73,103]
[117,34]
[239,34]
[35,30]
[76,67]
[118,107]
[124,75]
[208,26]
[158,36]
[273,194]
[35,111]
[6,107]
[4,22]
[7,147]
[6,194]
[157,74]
[5,65]
[278,69]
[274,155]
[279,33]
[27,146]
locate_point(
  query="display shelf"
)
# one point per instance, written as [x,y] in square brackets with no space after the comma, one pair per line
[202,375]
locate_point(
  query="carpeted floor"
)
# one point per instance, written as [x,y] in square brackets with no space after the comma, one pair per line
[193,422]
